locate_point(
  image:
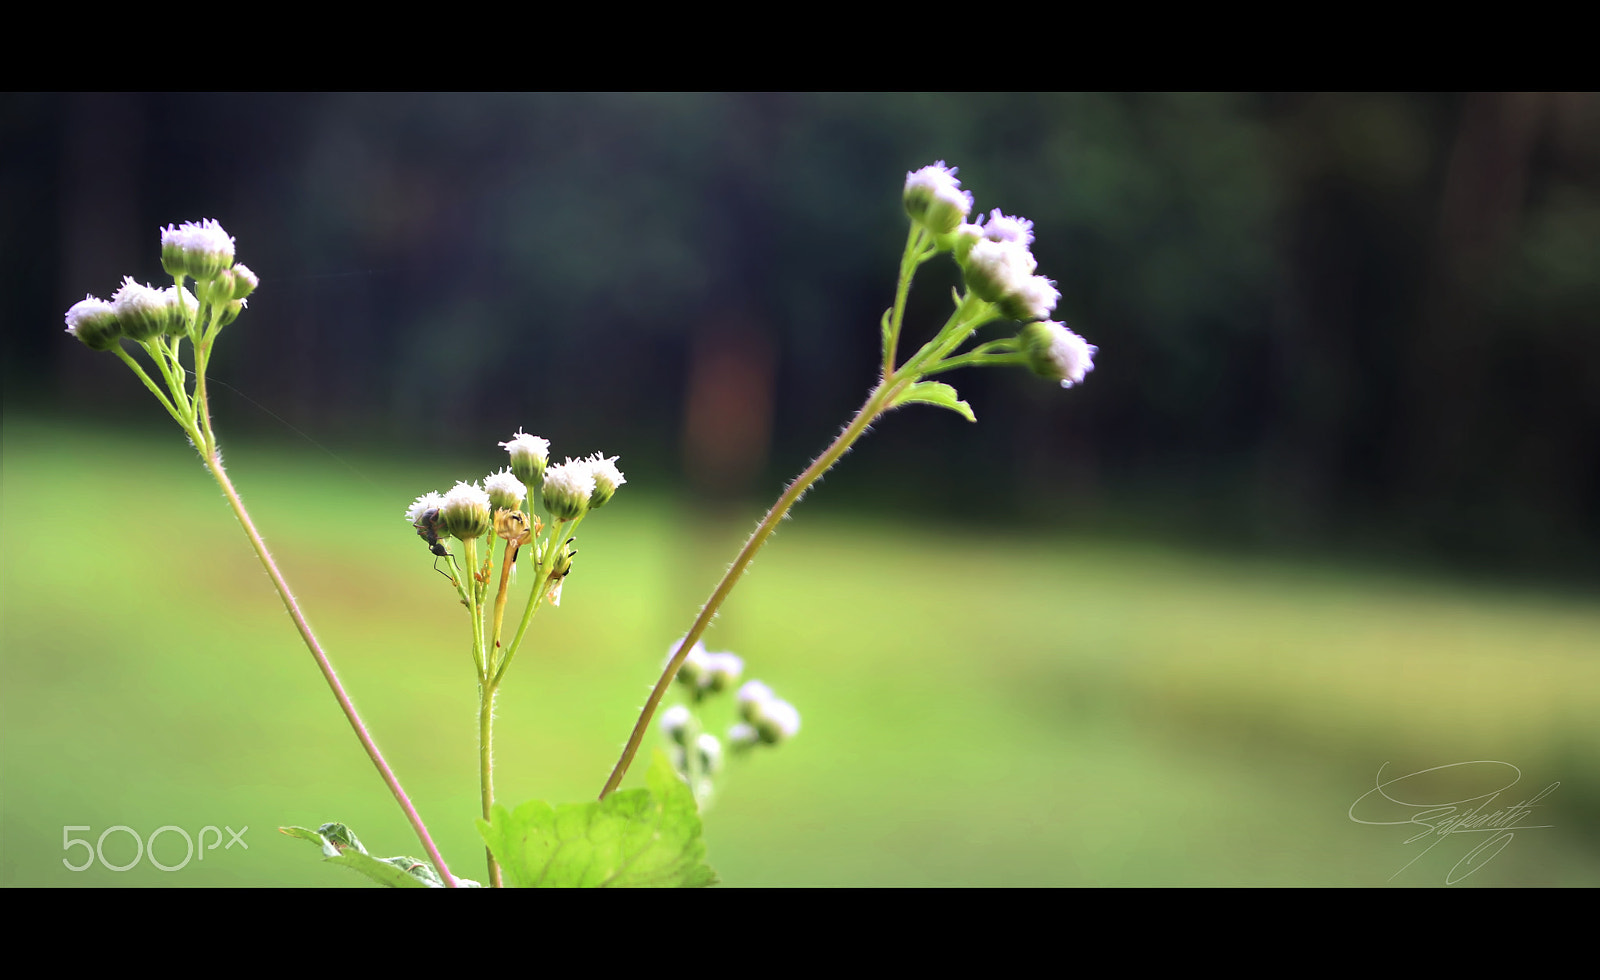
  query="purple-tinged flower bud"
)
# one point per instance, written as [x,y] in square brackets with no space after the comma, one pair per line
[934,198]
[1057,353]
[1033,300]
[1008,228]
[995,270]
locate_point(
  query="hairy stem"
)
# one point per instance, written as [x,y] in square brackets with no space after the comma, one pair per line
[881,397]
[486,767]
[214,464]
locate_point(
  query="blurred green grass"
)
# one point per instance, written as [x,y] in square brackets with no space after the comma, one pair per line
[979,709]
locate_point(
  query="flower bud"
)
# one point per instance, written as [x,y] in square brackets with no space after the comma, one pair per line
[772,718]
[94,321]
[229,312]
[241,282]
[776,720]
[607,478]
[141,310]
[201,251]
[675,723]
[529,454]
[694,664]
[1033,300]
[995,270]
[1057,353]
[743,736]
[710,750]
[506,492]
[182,309]
[1008,228]
[567,489]
[962,240]
[464,512]
[934,198]
[722,670]
[751,695]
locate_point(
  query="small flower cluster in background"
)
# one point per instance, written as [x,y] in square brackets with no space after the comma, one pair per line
[764,718]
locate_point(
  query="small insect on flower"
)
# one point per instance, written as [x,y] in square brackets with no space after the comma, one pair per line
[428,527]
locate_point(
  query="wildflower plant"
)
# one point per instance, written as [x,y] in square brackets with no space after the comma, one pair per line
[526,514]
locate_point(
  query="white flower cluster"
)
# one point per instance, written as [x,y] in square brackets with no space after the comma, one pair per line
[1000,267]
[142,313]
[580,485]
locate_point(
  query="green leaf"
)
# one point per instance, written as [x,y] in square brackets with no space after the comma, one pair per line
[636,838]
[935,393]
[340,845]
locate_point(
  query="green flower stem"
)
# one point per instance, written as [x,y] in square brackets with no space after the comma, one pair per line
[1002,351]
[971,314]
[214,464]
[187,425]
[202,357]
[910,259]
[486,767]
[882,396]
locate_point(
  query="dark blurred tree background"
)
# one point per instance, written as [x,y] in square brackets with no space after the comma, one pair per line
[1327,320]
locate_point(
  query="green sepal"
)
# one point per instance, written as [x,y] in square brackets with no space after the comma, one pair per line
[636,838]
[340,845]
[935,393]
